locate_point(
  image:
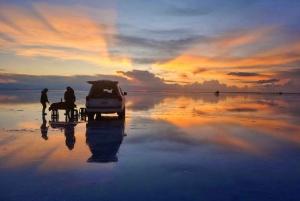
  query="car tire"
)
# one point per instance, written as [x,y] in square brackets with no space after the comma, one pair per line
[122,114]
[90,116]
[98,116]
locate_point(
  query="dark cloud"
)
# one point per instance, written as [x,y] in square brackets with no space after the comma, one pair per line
[11,24]
[147,50]
[176,81]
[200,112]
[292,86]
[292,74]
[269,103]
[214,85]
[183,75]
[188,12]
[135,80]
[267,81]
[42,19]
[273,80]
[5,37]
[199,70]
[146,80]
[273,67]
[242,110]
[242,74]
[171,33]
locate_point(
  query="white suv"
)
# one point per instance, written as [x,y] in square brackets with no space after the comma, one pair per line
[106,97]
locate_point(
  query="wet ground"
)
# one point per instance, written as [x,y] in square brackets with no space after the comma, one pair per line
[171,146]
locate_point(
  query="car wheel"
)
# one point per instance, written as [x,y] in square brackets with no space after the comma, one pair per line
[98,116]
[122,114]
[90,116]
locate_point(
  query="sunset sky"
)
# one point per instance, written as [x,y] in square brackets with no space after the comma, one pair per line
[236,45]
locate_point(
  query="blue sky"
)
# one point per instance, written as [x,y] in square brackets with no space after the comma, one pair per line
[242,44]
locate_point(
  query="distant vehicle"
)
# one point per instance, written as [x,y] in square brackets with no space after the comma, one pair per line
[105,97]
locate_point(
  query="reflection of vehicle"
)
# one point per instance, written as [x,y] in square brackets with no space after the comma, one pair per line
[104,139]
[105,96]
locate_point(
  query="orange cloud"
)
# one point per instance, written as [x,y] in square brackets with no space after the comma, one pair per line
[230,52]
[243,37]
[62,32]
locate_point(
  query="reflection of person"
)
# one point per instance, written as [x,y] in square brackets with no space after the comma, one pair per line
[44,129]
[70,136]
[44,100]
[70,100]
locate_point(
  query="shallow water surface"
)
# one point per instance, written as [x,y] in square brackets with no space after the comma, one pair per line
[171,146]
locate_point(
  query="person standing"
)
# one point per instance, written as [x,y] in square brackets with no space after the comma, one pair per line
[70,99]
[44,100]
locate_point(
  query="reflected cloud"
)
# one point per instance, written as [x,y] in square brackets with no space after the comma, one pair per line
[166,136]
[145,101]
[13,97]
[242,123]
[242,110]
[104,138]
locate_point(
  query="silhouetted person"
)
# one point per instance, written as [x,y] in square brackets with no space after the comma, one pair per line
[44,129]
[44,100]
[70,136]
[70,100]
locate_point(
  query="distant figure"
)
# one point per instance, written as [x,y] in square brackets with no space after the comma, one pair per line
[44,129]
[216,93]
[70,99]
[280,93]
[44,100]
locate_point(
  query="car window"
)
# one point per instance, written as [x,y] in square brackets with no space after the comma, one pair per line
[103,91]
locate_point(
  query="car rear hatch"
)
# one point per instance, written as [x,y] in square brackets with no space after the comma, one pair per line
[104,95]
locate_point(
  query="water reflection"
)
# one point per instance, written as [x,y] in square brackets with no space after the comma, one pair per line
[104,138]
[148,101]
[180,147]
[244,123]
[70,137]
[44,128]
[69,131]
[33,96]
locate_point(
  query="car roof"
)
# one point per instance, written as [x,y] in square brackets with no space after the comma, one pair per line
[104,82]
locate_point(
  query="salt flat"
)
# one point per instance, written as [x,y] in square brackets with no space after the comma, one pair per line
[171,146]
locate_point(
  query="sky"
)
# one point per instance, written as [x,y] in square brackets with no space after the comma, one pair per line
[249,45]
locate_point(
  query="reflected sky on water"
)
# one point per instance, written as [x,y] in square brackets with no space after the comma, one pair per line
[171,146]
